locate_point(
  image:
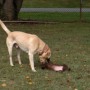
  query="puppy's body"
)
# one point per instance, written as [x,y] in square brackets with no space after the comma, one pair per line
[29,43]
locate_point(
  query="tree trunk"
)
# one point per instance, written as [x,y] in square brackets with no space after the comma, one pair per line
[10,9]
[1,8]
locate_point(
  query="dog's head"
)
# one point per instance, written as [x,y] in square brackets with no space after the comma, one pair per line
[45,58]
[44,65]
[45,55]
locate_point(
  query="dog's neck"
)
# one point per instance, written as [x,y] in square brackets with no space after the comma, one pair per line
[45,49]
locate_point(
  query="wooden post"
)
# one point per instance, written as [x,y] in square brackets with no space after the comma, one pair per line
[80,10]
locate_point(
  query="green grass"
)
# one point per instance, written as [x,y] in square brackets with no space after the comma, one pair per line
[59,17]
[70,44]
[50,16]
[54,3]
[50,3]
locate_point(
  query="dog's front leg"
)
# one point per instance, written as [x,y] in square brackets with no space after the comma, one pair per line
[31,60]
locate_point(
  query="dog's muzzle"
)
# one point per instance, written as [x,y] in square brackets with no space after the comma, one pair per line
[44,64]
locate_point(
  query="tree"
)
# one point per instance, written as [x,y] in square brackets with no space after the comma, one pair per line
[9,9]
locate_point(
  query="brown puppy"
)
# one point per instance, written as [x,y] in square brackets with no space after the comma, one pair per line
[29,43]
[58,68]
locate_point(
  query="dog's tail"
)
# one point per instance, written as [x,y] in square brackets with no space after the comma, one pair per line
[4,27]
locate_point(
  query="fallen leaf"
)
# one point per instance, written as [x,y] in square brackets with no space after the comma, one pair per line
[27,77]
[29,80]
[30,83]
[46,77]
[75,89]
[4,85]
[66,55]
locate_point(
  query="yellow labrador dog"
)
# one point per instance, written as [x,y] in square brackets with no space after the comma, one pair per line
[29,43]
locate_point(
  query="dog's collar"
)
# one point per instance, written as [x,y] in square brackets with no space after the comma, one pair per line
[45,49]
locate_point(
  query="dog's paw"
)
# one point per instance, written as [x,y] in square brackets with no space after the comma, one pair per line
[34,70]
[12,65]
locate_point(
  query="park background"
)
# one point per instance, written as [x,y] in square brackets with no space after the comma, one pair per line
[68,36]
[82,13]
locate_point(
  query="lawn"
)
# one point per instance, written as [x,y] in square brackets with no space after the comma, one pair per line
[50,3]
[55,3]
[58,17]
[69,43]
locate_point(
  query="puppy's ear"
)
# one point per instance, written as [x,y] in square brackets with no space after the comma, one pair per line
[48,60]
[43,66]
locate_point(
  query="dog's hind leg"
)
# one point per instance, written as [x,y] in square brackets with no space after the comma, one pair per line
[10,46]
[18,52]
[18,56]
